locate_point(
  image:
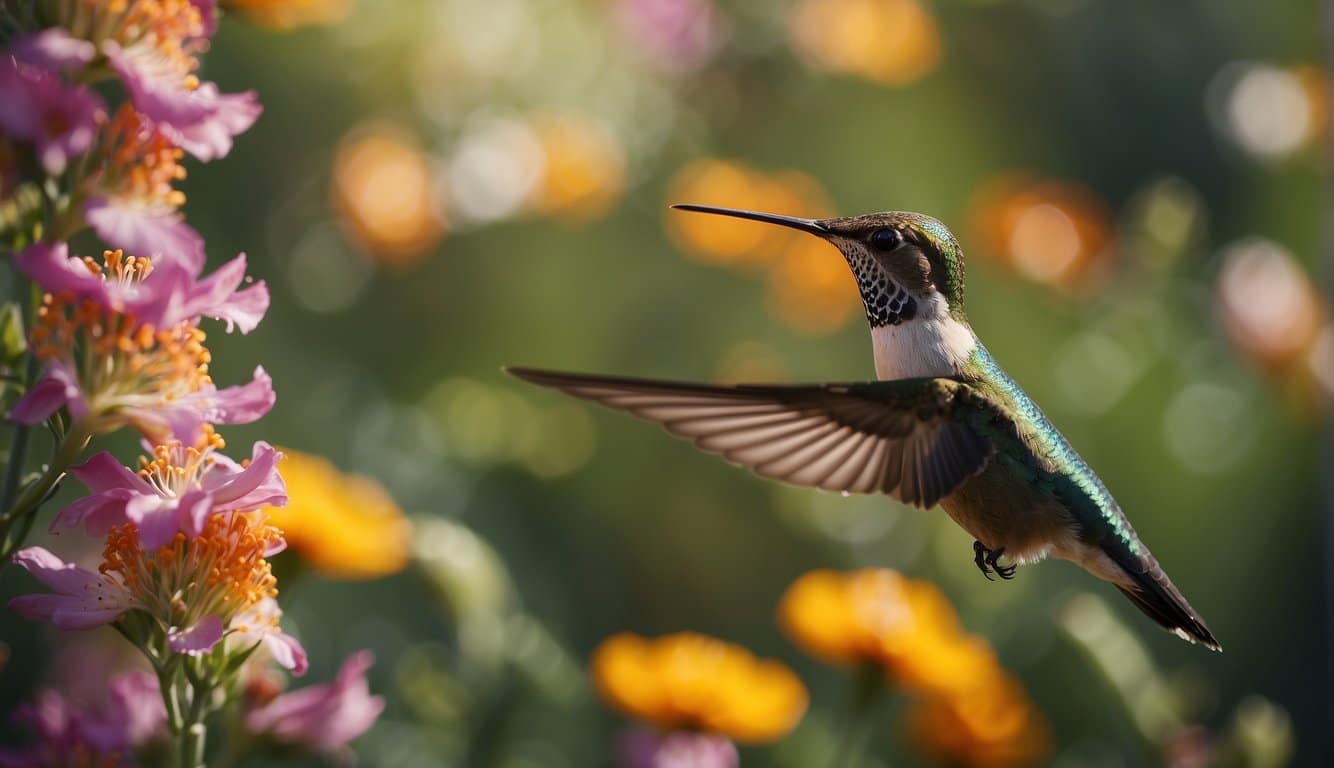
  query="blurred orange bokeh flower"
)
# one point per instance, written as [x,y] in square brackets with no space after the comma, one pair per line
[1054,232]
[584,167]
[810,287]
[726,241]
[994,726]
[690,681]
[383,188]
[892,42]
[290,14]
[345,526]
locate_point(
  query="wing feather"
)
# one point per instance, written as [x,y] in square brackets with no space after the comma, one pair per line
[914,439]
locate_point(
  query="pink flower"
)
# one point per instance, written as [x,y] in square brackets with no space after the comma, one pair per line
[675,35]
[259,625]
[83,599]
[196,590]
[131,717]
[159,296]
[322,717]
[176,491]
[138,358]
[60,121]
[202,120]
[641,748]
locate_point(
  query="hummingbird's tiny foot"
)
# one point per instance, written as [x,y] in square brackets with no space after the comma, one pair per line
[980,557]
[1006,572]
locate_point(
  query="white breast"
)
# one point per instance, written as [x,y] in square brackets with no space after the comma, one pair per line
[931,344]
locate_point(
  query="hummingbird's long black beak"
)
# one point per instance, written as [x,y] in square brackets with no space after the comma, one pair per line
[805,225]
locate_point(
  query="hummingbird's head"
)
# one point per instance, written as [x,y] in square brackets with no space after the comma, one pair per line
[907,265]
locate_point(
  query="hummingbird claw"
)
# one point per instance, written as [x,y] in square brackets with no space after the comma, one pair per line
[980,554]
[986,560]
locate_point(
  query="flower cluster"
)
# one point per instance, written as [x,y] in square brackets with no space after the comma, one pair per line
[967,709]
[118,342]
[701,692]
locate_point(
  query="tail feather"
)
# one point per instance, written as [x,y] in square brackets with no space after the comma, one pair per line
[1155,594]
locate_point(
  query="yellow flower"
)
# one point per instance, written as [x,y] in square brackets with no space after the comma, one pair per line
[994,726]
[346,526]
[878,617]
[725,241]
[688,680]
[290,14]
[892,42]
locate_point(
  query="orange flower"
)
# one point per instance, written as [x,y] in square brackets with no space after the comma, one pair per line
[811,289]
[382,186]
[346,526]
[878,617]
[584,168]
[1053,232]
[290,14]
[892,42]
[687,680]
[995,726]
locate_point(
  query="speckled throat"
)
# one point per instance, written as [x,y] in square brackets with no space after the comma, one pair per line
[886,302]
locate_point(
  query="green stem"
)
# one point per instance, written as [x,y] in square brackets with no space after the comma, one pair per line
[33,496]
[866,689]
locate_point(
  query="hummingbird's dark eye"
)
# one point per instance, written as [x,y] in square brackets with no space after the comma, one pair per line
[886,239]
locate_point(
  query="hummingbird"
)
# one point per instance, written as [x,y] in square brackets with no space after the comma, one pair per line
[943,424]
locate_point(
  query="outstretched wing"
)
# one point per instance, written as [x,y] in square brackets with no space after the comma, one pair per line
[913,439]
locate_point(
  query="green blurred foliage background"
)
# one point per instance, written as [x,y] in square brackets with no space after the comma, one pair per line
[391,368]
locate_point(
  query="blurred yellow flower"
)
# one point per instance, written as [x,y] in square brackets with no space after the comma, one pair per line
[345,526]
[892,42]
[584,167]
[383,188]
[878,617]
[1054,232]
[690,681]
[726,241]
[994,726]
[290,14]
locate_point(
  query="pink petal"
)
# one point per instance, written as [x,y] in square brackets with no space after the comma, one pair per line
[102,472]
[211,138]
[157,518]
[53,48]
[50,266]
[97,513]
[216,296]
[64,611]
[145,231]
[156,87]
[324,717]
[65,578]
[257,485]
[195,509]
[48,395]
[287,652]
[244,403]
[197,639]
